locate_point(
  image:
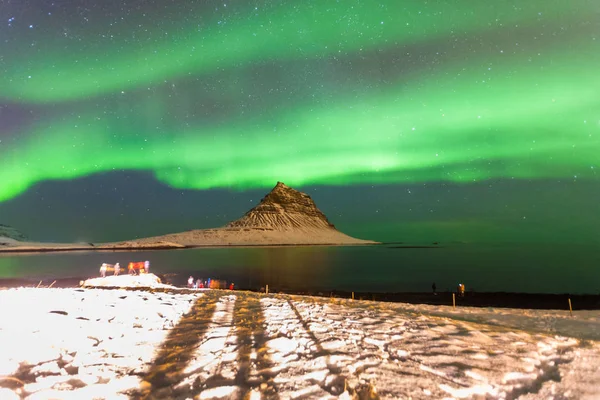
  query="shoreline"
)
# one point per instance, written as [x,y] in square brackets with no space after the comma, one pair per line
[29,250]
[515,300]
[100,248]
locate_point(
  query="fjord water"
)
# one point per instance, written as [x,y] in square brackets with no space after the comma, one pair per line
[382,268]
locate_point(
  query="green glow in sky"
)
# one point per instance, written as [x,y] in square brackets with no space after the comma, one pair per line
[524,110]
[51,70]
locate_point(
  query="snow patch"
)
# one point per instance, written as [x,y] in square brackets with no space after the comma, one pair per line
[128,281]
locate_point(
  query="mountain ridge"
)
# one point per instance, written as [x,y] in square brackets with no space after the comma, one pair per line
[285,216]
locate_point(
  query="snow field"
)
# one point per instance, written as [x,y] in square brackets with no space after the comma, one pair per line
[76,343]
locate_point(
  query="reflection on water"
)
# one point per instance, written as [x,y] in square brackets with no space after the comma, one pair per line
[534,269]
[9,267]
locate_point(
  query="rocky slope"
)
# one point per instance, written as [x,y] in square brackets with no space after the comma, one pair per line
[285,216]
[284,208]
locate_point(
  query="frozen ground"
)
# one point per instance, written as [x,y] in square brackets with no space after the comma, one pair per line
[125,280]
[92,343]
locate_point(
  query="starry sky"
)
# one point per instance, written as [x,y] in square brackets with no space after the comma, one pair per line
[412,121]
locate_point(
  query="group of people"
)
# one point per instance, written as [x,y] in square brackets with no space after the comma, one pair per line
[104,268]
[134,268]
[208,284]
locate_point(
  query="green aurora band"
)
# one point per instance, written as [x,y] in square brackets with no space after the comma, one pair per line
[314,28]
[536,116]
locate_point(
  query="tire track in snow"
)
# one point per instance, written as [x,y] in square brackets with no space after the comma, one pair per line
[213,365]
[301,365]
[168,368]
[254,366]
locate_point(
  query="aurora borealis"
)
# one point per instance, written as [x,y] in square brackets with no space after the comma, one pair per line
[399,107]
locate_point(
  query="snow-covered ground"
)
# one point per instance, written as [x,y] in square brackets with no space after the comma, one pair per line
[128,281]
[81,343]
[93,343]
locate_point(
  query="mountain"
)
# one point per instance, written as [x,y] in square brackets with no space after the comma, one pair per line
[9,234]
[282,209]
[285,216]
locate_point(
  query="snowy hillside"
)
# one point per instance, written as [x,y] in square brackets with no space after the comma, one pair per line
[10,234]
[11,240]
[127,281]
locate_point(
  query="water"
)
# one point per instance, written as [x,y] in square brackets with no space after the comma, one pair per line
[531,269]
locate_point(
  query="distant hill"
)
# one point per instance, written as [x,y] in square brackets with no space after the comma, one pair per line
[284,216]
[8,232]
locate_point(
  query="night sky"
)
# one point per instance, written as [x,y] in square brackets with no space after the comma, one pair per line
[413,121]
